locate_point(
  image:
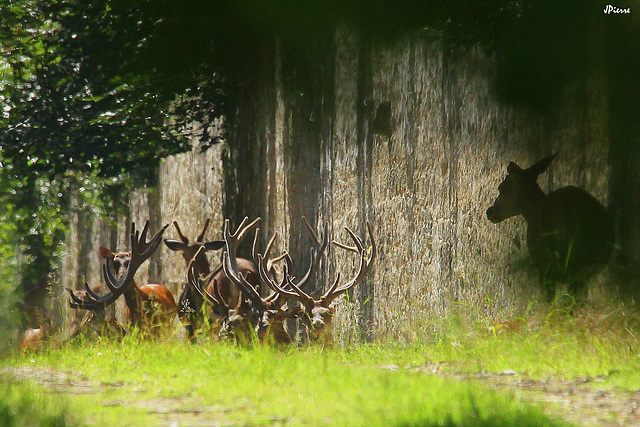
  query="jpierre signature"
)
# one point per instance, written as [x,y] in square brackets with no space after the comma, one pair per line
[608,9]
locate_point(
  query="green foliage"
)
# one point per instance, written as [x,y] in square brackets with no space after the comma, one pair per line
[113,86]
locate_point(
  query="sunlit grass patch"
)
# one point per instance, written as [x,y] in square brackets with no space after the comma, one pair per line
[381,383]
[22,404]
[570,342]
[264,385]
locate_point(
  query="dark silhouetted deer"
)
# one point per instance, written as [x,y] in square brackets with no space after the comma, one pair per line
[569,232]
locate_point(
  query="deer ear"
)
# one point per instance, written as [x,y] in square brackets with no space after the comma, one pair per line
[104,252]
[541,166]
[213,245]
[175,245]
[513,168]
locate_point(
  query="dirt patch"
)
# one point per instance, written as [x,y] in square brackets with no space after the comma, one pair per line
[168,411]
[56,381]
[583,401]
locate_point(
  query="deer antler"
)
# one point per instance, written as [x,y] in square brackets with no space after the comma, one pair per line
[273,301]
[141,250]
[200,237]
[229,259]
[365,264]
[182,236]
[198,283]
[315,255]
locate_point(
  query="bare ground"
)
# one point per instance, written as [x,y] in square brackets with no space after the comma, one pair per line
[580,401]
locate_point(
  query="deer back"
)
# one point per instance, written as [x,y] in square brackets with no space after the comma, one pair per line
[569,234]
[227,289]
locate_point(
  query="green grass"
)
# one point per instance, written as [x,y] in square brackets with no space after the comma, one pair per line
[25,405]
[144,382]
[262,385]
[566,343]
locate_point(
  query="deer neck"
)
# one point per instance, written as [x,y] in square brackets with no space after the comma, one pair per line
[202,265]
[528,208]
[133,299]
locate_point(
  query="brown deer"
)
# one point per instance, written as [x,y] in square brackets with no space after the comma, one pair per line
[252,312]
[190,301]
[149,294]
[33,338]
[118,273]
[245,311]
[318,313]
[569,233]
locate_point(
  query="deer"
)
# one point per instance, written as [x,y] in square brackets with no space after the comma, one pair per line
[118,273]
[317,313]
[191,298]
[252,312]
[243,312]
[190,302]
[149,294]
[32,339]
[569,232]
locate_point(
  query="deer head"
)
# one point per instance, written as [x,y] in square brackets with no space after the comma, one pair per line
[120,260]
[318,312]
[519,191]
[191,250]
[118,276]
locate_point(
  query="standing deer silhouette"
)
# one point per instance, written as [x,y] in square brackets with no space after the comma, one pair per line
[569,233]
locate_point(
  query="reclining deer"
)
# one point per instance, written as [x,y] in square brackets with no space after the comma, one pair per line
[191,298]
[569,232]
[248,312]
[265,315]
[118,272]
[317,313]
[33,338]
